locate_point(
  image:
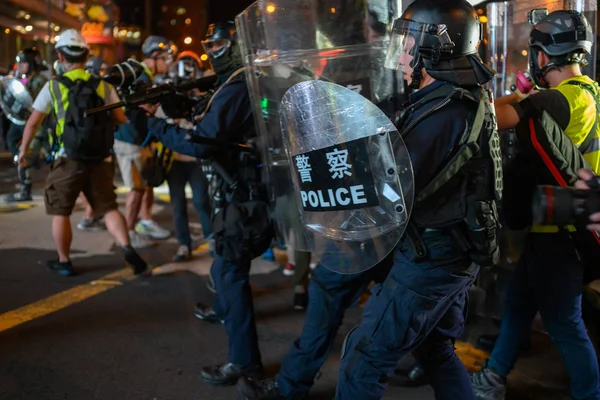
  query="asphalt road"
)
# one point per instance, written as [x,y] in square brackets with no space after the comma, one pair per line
[103,335]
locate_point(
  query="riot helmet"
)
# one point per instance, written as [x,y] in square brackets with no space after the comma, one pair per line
[156,45]
[565,36]
[33,58]
[222,47]
[441,36]
[188,66]
[95,65]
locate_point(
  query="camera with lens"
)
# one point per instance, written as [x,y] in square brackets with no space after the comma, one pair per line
[562,206]
[124,75]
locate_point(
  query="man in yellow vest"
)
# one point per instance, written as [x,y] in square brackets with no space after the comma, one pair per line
[83,145]
[549,276]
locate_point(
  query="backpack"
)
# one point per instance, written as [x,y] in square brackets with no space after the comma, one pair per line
[86,137]
[157,167]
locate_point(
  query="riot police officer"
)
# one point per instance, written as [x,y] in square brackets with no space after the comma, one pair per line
[227,118]
[420,306]
[29,67]
[331,293]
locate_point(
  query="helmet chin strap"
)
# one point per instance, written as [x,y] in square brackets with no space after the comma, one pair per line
[417,76]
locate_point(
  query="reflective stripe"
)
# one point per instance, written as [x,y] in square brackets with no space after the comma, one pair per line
[106,91]
[57,94]
[550,228]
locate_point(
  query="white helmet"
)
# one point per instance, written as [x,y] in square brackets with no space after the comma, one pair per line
[72,43]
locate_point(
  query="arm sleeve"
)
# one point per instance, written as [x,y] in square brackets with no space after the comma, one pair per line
[551,101]
[172,137]
[43,102]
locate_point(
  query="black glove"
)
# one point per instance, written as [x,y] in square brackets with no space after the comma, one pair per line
[177,106]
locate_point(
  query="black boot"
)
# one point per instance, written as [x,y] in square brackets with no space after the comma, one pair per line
[256,389]
[228,374]
[24,194]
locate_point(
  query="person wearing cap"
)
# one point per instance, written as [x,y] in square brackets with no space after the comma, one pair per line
[158,56]
[29,67]
[549,277]
[69,176]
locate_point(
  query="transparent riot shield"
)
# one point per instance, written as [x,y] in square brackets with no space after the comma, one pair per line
[15,100]
[352,174]
[285,42]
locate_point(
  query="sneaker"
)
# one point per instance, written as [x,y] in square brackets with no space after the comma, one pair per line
[488,385]
[61,268]
[288,270]
[300,301]
[183,254]
[259,389]
[91,225]
[152,230]
[134,260]
[137,241]
[269,255]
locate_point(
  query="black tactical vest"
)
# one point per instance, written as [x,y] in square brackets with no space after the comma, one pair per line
[463,195]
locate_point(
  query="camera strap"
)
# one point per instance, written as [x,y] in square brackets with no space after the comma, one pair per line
[228,81]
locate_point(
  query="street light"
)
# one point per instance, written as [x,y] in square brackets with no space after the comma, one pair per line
[187,40]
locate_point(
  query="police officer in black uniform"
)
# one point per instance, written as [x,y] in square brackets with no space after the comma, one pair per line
[420,306]
[228,118]
[29,67]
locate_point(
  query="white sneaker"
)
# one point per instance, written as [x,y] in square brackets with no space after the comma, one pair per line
[138,242]
[152,230]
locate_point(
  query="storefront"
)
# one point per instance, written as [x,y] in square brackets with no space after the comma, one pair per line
[24,23]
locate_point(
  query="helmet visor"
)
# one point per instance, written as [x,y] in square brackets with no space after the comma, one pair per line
[409,39]
[217,47]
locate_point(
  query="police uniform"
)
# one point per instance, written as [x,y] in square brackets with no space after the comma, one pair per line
[228,119]
[558,133]
[420,307]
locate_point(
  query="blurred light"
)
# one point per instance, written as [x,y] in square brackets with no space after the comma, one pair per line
[129,34]
[480,11]
[136,35]
[188,21]
[122,32]
[57,38]
[332,10]
[27,16]
[29,28]
[181,11]
[56,28]
[7,31]
[203,57]
[187,40]
[173,21]
[270,8]
[524,53]
[483,19]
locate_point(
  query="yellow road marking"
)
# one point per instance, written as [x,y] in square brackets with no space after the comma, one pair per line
[63,300]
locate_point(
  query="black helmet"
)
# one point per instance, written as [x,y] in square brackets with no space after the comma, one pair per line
[158,44]
[219,38]
[565,36]
[33,57]
[94,65]
[443,37]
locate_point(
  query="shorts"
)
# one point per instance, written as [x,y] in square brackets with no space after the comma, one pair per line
[131,159]
[68,178]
